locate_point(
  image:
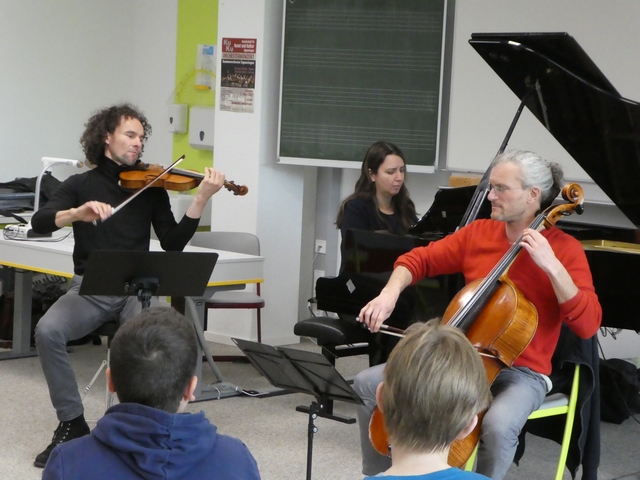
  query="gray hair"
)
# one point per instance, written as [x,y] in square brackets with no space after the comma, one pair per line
[536,172]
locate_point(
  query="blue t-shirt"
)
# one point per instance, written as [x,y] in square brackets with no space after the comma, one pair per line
[449,474]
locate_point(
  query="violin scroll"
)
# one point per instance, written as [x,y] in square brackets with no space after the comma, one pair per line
[236,189]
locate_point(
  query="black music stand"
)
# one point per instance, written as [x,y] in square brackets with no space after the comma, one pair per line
[145,274]
[180,275]
[303,372]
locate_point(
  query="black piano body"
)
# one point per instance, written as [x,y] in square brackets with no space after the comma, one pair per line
[570,96]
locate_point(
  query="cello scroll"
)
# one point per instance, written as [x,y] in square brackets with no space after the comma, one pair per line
[572,193]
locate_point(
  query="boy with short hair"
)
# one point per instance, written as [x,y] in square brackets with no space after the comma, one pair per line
[434,387]
[147,435]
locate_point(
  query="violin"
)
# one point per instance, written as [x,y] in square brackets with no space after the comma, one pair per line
[496,318]
[177,179]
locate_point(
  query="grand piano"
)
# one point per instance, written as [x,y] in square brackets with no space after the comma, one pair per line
[557,81]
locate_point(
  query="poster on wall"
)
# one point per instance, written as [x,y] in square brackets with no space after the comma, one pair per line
[238,74]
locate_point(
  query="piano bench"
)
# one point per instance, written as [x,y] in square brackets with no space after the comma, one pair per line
[337,337]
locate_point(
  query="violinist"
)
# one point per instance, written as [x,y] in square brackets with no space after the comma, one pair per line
[552,273]
[113,141]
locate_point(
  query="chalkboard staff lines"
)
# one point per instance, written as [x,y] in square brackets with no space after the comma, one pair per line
[357,71]
[365,21]
[362,59]
[416,142]
[360,102]
[362,98]
[345,134]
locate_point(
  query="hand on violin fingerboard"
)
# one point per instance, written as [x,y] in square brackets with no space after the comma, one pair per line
[212,181]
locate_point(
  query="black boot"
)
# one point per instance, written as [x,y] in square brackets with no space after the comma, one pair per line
[66,431]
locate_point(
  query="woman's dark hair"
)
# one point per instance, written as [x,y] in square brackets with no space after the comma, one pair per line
[365,188]
[106,121]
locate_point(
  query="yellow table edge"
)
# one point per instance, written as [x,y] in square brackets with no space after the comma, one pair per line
[68,275]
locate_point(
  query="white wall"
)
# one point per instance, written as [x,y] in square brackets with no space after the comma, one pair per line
[274,208]
[154,71]
[62,60]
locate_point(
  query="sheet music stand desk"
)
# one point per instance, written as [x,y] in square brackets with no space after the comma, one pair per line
[145,274]
[303,372]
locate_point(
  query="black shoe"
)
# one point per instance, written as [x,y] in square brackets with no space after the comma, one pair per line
[66,431]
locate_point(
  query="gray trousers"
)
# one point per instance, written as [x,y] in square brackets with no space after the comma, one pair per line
[517,392]
[71,317]
[365,385]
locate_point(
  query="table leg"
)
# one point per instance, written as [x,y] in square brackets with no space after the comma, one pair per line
[21,317]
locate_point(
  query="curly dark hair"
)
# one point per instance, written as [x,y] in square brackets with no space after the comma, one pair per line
[106,121]
[365,188]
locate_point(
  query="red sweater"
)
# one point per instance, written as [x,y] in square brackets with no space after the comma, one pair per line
[475,249]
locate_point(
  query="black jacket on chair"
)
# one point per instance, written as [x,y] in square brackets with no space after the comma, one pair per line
[584,448]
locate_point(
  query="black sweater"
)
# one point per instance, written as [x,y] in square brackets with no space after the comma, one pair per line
[128,229]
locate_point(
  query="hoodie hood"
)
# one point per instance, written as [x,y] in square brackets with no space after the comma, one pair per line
[156,444]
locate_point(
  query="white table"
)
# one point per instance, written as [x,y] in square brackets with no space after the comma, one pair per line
[232,271]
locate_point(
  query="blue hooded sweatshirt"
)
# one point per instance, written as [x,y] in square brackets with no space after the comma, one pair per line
[135,441]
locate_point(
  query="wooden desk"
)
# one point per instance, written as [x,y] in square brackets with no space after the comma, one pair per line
[232,271]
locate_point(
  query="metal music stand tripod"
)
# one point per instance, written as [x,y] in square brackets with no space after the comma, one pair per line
[180,275]
[303,372]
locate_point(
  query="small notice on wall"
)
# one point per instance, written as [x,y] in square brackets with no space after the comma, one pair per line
[205,67]
[238,74]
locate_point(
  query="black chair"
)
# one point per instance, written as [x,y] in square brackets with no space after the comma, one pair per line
[338,337]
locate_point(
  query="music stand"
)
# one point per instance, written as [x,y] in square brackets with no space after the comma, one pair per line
[303,372]
[145,274]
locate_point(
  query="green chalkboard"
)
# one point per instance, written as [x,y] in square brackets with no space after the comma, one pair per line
[358,71]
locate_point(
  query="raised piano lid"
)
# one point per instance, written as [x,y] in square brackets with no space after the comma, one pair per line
[573,99]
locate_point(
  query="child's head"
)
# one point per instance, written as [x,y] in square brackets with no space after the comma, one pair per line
[434,386]
[153,359]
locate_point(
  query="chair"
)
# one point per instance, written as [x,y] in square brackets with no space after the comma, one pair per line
[239,242]
[108,330]
[338,338]
[555,404]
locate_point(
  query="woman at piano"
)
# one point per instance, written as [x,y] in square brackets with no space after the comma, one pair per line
[381,200]
[379,203]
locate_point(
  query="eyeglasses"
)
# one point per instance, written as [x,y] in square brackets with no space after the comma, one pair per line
[500,189]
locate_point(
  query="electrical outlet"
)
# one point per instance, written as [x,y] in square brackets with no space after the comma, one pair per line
[316,275]
[321,246]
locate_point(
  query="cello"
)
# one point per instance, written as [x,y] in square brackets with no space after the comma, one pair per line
[496,318]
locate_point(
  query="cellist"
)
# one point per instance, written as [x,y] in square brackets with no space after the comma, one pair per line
[551,271]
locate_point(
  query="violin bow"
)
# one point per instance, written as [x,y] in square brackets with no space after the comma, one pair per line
[164,172]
